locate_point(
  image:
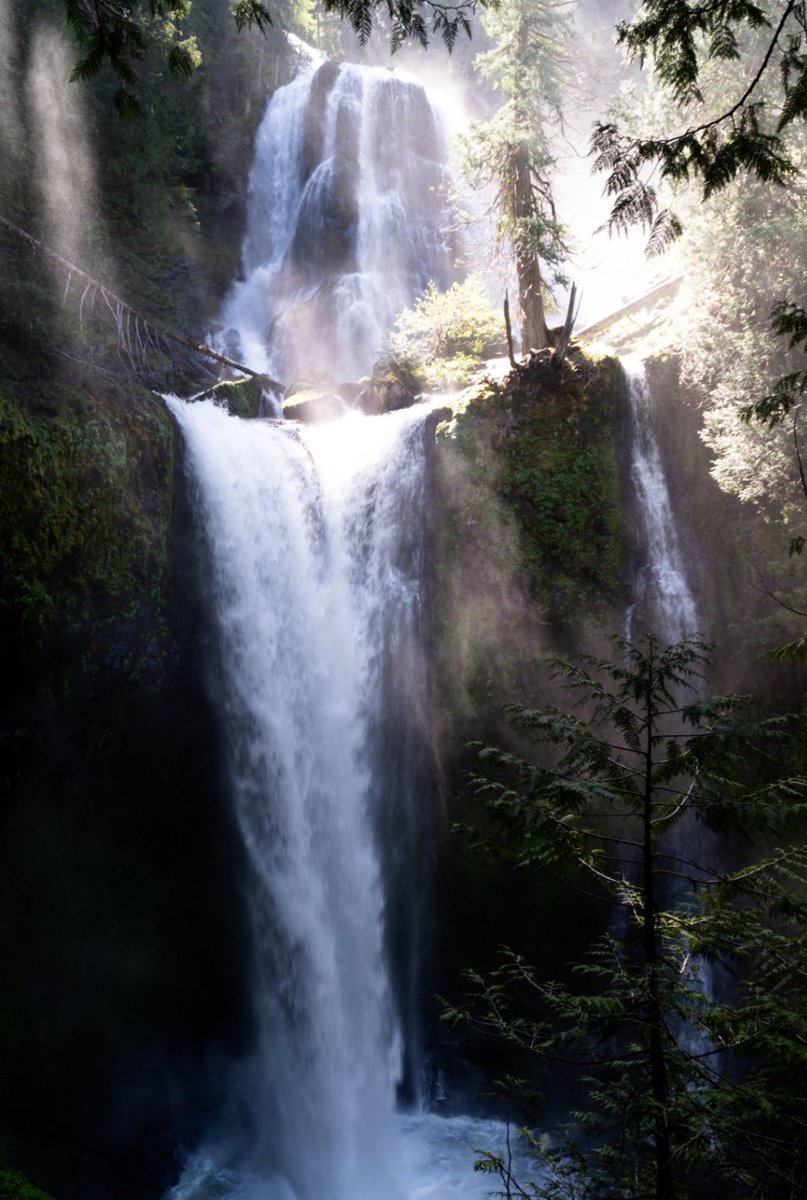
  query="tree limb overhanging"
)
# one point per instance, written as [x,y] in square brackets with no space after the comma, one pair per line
[681,39]
[121,309]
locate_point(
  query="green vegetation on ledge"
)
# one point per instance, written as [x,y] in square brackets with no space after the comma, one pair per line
[548,442]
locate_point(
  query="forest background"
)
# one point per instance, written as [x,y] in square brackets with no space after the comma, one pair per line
[153,205]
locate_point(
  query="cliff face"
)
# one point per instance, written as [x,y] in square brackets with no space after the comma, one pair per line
[121,953]
[528,540]
[530,550]
[119,923]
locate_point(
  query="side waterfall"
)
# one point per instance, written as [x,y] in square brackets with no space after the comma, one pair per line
[663,601]
[664,605]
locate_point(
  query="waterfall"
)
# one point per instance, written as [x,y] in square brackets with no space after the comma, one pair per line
[663,598]
[665,605]
[315,577]
[315,567]
[346,220]
[307,531]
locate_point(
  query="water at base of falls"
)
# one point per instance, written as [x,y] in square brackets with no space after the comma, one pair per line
[315,579]
[433,1160]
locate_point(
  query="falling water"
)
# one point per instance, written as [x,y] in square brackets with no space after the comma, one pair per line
[315,540]
[665,605]
[663,598]
[315,544]
[346,222]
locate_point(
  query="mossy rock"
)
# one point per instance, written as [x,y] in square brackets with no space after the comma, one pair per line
[312,406]
[527,528]
[246,398]
[85,501]
[546,439]
[391,387]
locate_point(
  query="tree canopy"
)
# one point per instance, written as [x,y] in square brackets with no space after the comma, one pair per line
[746,133]
[686,1020]
[116,33]
[513,152]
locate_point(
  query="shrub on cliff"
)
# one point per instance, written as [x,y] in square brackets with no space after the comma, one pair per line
[446,336]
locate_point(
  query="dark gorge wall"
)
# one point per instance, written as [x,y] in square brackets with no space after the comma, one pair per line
[537,541]
[120,929]
[530,554]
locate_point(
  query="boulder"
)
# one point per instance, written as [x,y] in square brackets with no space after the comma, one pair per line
[386,392]
[312,406]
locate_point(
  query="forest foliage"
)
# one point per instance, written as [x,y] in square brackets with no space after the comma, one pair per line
[166,196]
[685,1023]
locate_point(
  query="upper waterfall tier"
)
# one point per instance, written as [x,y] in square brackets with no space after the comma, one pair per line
[346,222]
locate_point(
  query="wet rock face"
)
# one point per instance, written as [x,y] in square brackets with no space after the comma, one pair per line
[327,227]
[313,133]
[119,931]
[312,406]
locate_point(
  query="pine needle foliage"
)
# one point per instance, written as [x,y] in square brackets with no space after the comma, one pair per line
[788,321]
[748,134]
[512,155]
[117,33]
[411,20]
[687,1021]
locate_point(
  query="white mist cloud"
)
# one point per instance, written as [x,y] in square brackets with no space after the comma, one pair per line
[64,163]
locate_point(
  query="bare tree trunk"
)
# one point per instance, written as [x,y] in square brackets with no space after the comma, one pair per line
[530,292]
[509,331]
[562,345]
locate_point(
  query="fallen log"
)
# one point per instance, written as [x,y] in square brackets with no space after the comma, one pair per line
[119,308]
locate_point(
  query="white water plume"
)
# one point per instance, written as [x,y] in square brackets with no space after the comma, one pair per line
[65,169]
[315,545]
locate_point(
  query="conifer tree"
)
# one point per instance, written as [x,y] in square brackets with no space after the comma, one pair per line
[749,130]
[688,1020]
[513,151]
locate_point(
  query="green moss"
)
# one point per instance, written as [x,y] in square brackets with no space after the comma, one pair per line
[85,499]
[241,397]
[14,1186]
[545,443]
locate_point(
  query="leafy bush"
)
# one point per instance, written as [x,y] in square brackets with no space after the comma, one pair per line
[442,340]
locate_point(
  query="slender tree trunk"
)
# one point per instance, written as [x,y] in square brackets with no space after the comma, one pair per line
[665,1189]
[508,330]
[530,293]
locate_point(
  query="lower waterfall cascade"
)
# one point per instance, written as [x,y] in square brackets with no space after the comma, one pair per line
[315,545]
